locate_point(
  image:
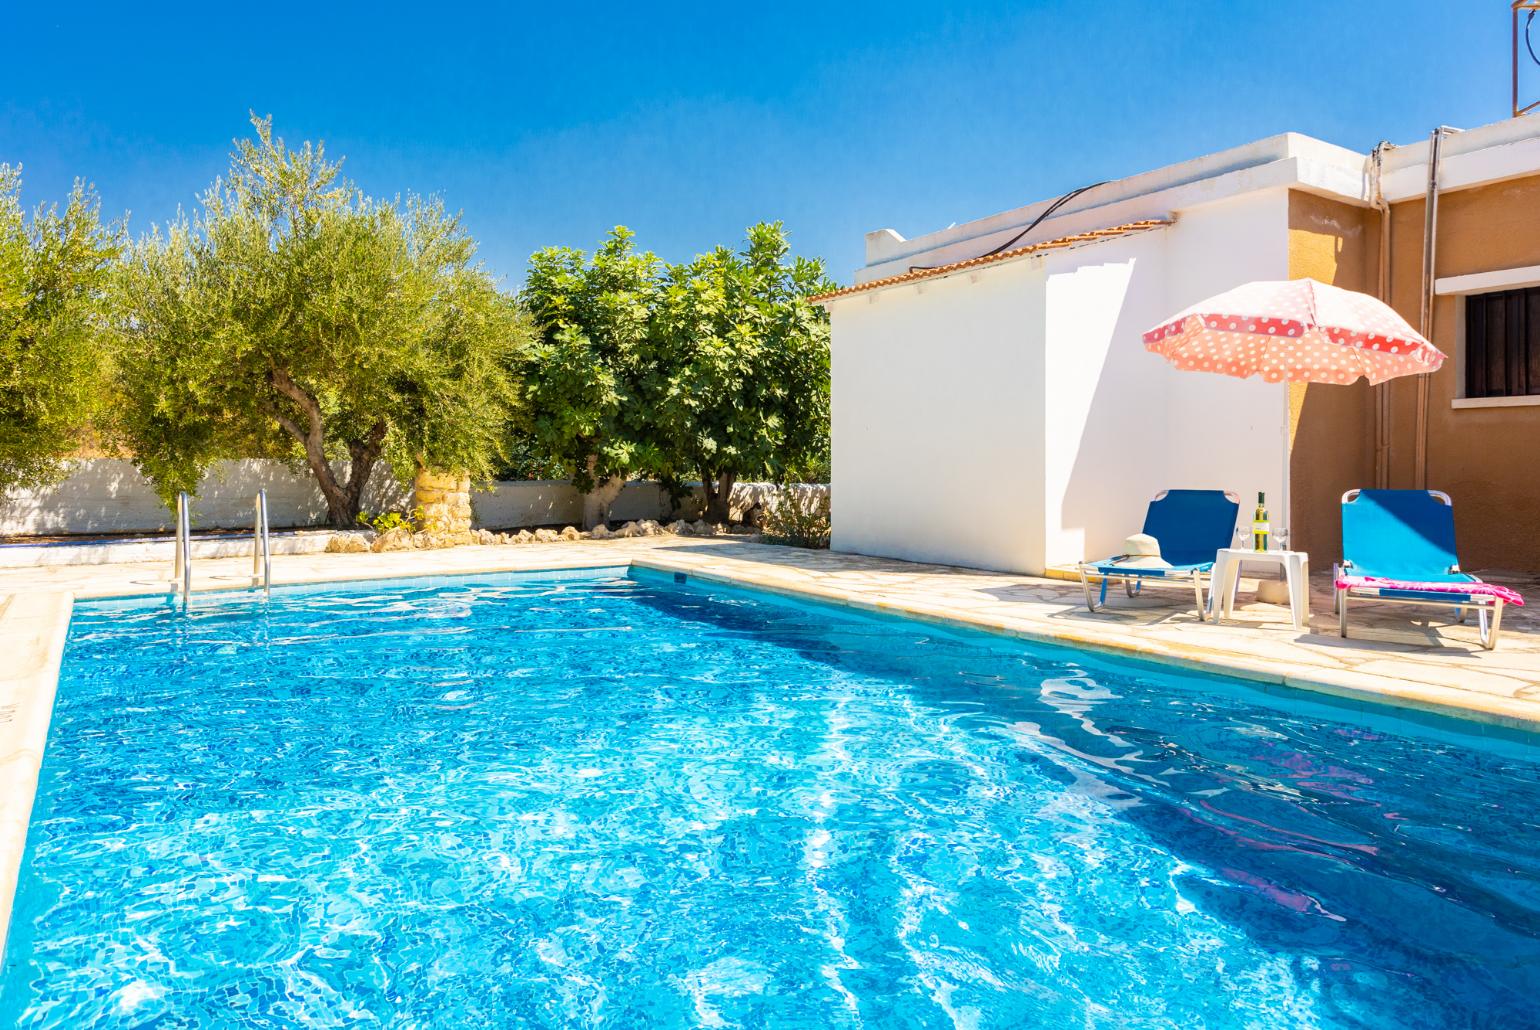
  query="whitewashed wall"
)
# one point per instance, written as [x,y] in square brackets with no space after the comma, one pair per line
[937,421]
[553,502]
[1123,424]
[1011,419]
[110,496]
[1222,431]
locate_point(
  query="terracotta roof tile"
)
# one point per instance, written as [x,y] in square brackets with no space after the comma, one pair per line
[918,274]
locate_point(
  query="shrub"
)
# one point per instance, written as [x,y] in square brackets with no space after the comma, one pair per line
[385,521]
[798,516]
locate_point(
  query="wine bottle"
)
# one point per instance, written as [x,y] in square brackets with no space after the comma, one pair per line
[1260,530]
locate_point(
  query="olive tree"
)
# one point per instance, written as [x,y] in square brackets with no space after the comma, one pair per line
[53,276]
[737,384]
[580,378]
[296,318]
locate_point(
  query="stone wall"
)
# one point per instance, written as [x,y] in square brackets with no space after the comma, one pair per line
[444,499]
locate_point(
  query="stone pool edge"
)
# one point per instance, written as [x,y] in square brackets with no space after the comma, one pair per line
[33,629]
[1384,695]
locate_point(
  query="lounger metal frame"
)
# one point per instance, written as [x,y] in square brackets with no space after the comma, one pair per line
[1134,578]
[1133,583]
[1481,603]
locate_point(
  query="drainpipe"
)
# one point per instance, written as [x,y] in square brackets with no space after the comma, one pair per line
[1429,255]
[1382,290]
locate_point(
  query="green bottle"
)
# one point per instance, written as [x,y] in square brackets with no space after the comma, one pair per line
[1259,527]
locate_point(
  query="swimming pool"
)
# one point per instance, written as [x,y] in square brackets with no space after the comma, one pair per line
[613,798]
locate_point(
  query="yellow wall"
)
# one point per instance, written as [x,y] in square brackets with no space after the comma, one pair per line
[1486,459]
[1331,427]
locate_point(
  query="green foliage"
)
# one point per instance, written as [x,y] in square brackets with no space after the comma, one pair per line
[524,460]
[798,516]
[385,521]
[737,381]
[295,317]
[53,273]
[580,378]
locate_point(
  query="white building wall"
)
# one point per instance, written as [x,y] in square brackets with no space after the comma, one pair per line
[1103,461]
[937,428]
[1124,424]
[1223,432]
[1011,419]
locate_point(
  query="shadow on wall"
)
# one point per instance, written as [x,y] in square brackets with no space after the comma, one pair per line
[1118,461]
[108,495]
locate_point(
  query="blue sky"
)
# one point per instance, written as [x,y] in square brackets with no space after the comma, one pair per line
[550,123]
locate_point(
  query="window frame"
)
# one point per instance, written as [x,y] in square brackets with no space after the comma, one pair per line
[1462,287]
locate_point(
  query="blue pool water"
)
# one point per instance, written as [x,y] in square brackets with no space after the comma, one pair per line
[604,800]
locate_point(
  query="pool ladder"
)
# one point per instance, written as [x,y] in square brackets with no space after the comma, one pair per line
[261,548]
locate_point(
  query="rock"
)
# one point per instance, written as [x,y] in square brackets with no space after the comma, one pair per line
[600,532]
[503,538]
[428,540]
[485,537]
[572,533]
[546,536]
[347,543]
[400,539]
[523,536]
[464,538]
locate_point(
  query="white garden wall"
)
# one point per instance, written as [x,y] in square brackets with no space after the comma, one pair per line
[106,495]
[110,496]
[553,502]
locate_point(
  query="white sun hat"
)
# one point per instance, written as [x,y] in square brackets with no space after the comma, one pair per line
[1142,551]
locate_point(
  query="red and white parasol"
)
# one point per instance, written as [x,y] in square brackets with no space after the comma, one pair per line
[1298,331]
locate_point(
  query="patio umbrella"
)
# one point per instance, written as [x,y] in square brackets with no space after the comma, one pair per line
[1298,331]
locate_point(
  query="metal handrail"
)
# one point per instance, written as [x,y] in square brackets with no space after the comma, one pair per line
[182,563]
[261,549]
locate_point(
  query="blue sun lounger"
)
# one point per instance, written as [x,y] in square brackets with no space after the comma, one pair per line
[1191,526]
[1398,548]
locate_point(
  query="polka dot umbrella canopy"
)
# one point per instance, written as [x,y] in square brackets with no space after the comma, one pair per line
[1299,331]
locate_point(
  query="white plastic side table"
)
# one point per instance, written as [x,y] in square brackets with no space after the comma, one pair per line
[1227,575]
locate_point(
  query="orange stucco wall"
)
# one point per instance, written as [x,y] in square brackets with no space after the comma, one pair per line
[1486,459]
[1331,427]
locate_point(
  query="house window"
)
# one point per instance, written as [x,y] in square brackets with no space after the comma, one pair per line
[1502,343]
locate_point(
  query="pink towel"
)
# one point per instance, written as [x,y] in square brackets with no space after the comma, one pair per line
[1505,594]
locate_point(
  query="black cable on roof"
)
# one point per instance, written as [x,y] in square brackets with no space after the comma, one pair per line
[1008,244]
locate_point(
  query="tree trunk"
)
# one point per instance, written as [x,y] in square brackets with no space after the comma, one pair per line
[596,502]
[719,495]
[343,500]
